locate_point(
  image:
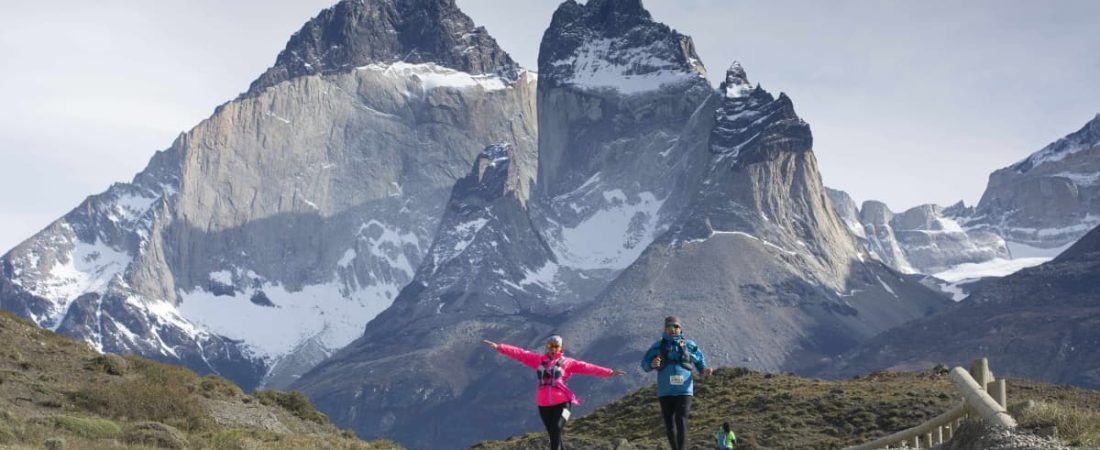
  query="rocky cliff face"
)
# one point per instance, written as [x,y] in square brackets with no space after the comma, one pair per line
[760,267]
[625,104]
[928,238]
[267,236]
[1039,323]
[1049,199]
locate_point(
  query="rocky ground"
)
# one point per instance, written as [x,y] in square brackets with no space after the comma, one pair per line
[975,436]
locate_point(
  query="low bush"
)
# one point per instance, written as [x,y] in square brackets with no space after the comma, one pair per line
[85,427]
[153,392]
[7,433]
[213,386]
[295,402]
[155,434]
[108,363]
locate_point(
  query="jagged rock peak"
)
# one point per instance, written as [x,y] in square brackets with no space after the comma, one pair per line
[495,175]
[614,45]
[875,212]
[1083,139]
[356,33]
[752,120]
[737,83]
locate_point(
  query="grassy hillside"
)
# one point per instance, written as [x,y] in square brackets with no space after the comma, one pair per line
[790,412]
[58,393]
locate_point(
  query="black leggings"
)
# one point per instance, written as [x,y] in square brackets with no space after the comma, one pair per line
[674,409]
[551,417]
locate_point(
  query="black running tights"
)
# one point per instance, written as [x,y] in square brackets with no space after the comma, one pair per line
[674,409]
[551,417]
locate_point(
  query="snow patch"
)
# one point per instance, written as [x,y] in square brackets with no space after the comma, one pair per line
[222,276]
[1080,179]
[1019,250]
[997,267]
[431,76]
[389,244]
[545,276]
[953,289]
[603,64]
[128,207]
[349,256]
[86,268]
[329,312]
[463,235]
[887,287]
[612,237]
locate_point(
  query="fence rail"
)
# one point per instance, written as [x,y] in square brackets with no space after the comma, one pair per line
[982,396]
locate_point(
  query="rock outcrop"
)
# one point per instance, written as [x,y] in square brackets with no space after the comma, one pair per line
[1050,199]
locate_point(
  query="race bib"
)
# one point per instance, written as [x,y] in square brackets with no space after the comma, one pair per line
[565,414]
[676,380]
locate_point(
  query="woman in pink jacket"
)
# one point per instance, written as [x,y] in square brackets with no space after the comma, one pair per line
[553,370]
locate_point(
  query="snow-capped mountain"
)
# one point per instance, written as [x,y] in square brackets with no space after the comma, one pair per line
[1039,323]
[266,237]
[1048,200]
[1029,213]
[722,179]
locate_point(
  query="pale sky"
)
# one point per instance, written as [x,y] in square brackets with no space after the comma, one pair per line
[909,102]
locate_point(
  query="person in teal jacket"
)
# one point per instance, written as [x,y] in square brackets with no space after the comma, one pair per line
[673,357]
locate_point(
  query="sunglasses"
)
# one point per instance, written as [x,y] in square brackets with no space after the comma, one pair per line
[672,327]
[553,345]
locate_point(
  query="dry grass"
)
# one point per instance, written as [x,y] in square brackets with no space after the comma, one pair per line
[789,412]
[1077,426]
[151,392]
[56,389]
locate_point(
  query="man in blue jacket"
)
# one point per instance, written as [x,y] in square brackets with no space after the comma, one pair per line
[673,357]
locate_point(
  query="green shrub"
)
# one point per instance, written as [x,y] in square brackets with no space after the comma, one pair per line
[7,433]
[155,434]
[295,402]
[108,363]
[86,427]
[213,386]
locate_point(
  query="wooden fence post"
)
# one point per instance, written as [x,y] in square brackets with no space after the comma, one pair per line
[1000,392]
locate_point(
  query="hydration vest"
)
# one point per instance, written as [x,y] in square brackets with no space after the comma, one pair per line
[684,358]
[549,376]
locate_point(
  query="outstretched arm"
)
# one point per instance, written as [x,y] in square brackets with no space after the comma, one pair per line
[525,357]
[583,368]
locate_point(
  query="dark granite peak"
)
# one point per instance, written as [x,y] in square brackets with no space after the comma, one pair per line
[1087,136]
[355,33]
[625,30]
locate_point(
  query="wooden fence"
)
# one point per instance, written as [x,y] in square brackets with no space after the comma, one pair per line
[982,396]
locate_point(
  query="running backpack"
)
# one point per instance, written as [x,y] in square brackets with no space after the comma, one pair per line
[549,375]
[684,358]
